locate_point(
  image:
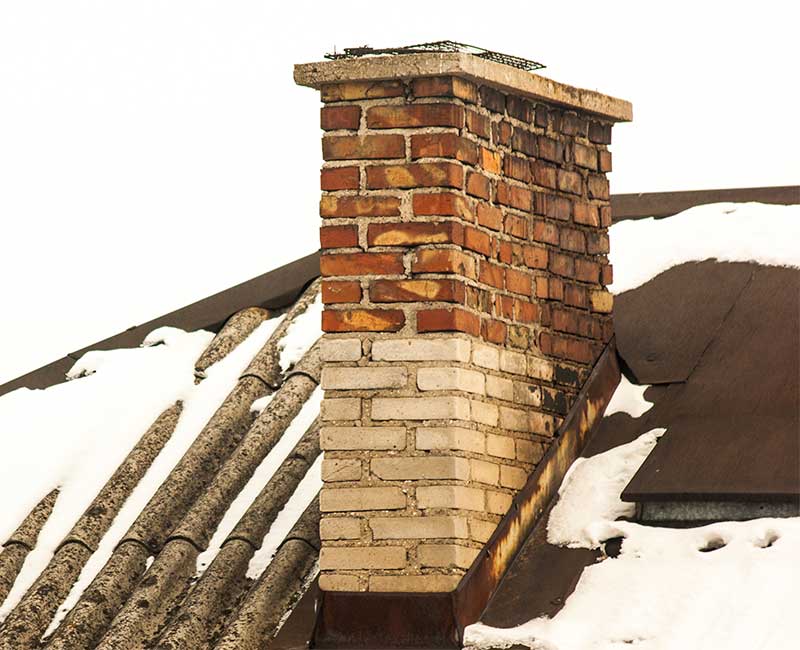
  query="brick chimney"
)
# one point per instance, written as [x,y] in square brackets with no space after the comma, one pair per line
[464,240]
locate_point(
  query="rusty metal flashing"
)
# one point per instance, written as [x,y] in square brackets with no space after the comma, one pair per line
[383,621]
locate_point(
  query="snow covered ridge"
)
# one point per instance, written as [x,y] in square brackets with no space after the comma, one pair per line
[731,585]
[728,232]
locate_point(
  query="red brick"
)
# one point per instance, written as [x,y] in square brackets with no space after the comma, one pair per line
[491,274]
[563,265]
[519,282]
[478,185]
[585,156]
[443,145]
[587,271]
[415,175]
[448,320]
[359,206]
[489,216]
[544,174]
[492,99]
[445,87]
[545,232]
[604,158]
[600,133]
[339,117]
[540,116]
[525,312]
[416,291]
[519,108]
[351,90]
[550,149]
[491,161]
[445,204]
[573,240]
[597,243]
[517,167]
[564,348]
[570,181]
[393,117]
[524,141]
[504,306]
[605,216]
[540,287]
[478,124]
[535,257]
[494,331]
[504,252]
[516,226]
[358,147]
[361,264]
[549,288]
[557,207]
[414,233]
[443,260]
[573,124]
[586,214]
[606,275]
[576,296]
[598,186]
[338,236]
[337,292]
[477,240]
[339,178]
[502,132]
[514,196]
[362,320]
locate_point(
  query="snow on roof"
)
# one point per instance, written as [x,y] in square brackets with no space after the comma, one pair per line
[152,410]
[728,232]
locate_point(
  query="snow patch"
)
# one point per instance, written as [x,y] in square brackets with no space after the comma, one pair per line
[301,334]
[728,232]
[629,398]
[588,498]
[61,438]
[261,403]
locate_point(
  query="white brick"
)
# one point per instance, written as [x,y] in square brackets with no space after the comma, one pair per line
[339,582]
[513,362]
[514,419]
[481,530]
[340,528]
[484,413]
[469,381]
[340,349]
[357,438]
[501,446]
[450,496]
[527,394]
[541,423]
[432,582]
[498,503]
[499,387]
[529,451]
[446,555]
[348,408]
[449,407]
[420,349]
[363,378]
[483,471]
[423,527]
[362,498]
[429,438]
[341,469]
[383,557]
[513,477]
[420,468]
[540,368]
[486,356]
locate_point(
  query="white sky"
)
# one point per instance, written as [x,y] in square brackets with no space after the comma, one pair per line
[153,153]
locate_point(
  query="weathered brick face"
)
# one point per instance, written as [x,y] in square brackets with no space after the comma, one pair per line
[464,243]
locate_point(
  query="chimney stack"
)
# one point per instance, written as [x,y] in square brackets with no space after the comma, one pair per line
[465,213]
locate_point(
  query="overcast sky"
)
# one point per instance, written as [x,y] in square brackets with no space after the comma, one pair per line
[153,153]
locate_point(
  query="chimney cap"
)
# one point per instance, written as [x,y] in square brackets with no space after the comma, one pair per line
[467,66]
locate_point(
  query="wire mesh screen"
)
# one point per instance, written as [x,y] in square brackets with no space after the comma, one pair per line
[439,46]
